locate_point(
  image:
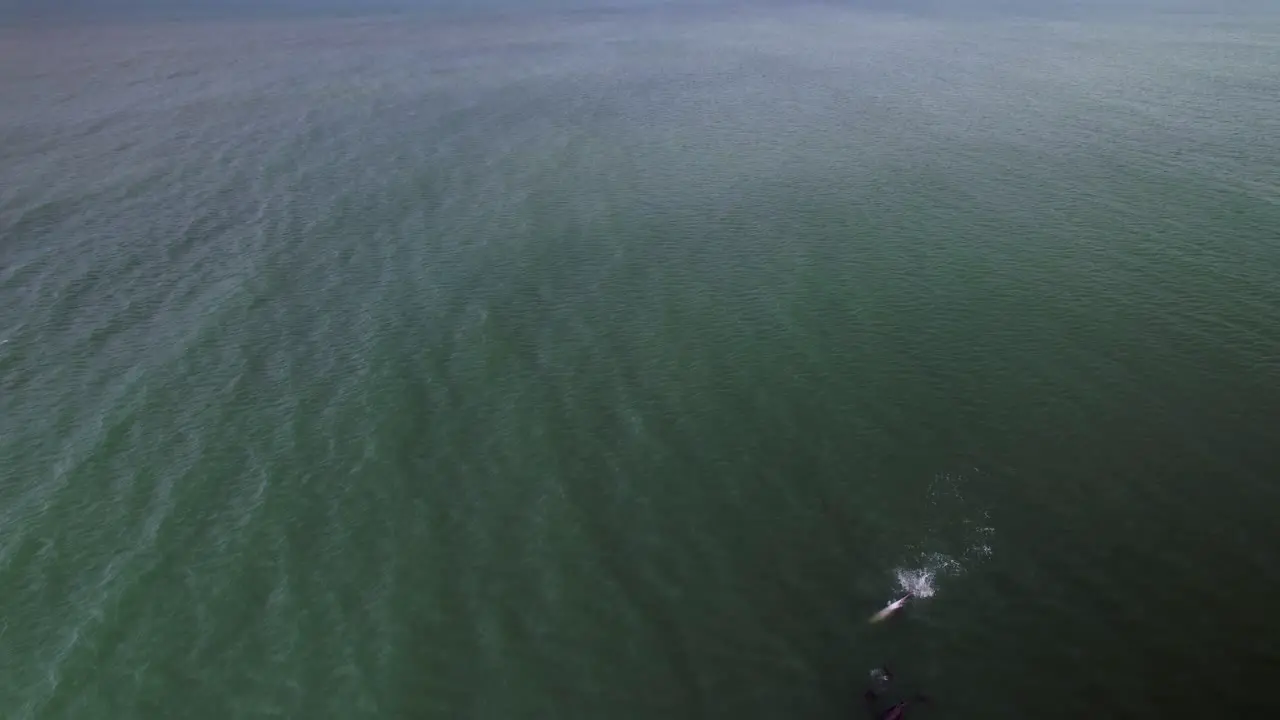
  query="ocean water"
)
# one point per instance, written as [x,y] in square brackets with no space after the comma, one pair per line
[621,364]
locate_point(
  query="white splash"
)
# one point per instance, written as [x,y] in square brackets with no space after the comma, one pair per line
[953,542]
[921,581]
[917,581]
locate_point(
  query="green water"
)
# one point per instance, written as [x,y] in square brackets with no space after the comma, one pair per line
[618,366]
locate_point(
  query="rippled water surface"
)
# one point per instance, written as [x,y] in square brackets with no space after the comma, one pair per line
[621,365]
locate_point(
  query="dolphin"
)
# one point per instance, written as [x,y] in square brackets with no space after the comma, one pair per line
[891,609]
[896,711]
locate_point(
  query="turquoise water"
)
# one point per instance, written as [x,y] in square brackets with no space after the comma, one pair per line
[620,365]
